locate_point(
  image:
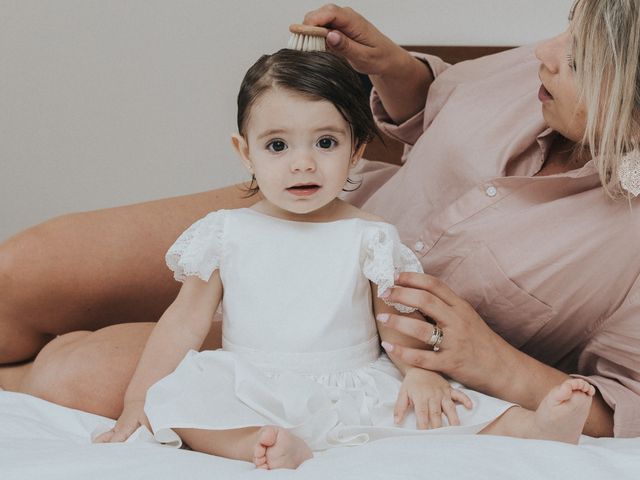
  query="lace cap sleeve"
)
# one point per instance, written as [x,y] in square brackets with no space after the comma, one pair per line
[384,256]
[198,249]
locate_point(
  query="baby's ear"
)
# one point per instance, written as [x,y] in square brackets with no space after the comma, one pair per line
[242,147]
[357,155]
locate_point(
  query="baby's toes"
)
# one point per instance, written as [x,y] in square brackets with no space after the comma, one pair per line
[268,436]
[562,392]
[260,462]
[259,451]
[585,387]
[260,456]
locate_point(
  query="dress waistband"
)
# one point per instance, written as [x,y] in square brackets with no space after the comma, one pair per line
[311,363]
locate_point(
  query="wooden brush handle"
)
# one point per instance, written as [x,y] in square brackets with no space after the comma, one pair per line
[308,30]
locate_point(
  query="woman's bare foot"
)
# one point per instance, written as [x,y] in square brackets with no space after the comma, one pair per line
[279,448]
[559,417]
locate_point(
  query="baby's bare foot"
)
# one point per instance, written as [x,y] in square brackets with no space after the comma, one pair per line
[562,413]
[279,448]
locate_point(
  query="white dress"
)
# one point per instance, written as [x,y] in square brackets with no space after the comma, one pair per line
[300,347]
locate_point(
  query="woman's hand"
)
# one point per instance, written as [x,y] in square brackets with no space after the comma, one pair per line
[130,420]
[356,39]
[470,352]
[431,396]
[401,80]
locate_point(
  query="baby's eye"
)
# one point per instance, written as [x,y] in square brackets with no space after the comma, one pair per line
[326,143]
[276,146]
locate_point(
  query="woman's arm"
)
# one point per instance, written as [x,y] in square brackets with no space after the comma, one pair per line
[401,80]
[473,354]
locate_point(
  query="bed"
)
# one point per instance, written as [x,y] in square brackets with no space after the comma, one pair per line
[40,440]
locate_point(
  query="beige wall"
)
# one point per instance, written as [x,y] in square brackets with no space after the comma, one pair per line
[109,102]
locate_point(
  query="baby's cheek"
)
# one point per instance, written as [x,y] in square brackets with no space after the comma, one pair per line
[267,177]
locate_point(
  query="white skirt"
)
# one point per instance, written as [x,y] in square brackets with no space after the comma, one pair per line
[311,394]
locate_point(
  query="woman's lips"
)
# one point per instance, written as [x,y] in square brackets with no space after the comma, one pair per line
[544,95]
[303,190]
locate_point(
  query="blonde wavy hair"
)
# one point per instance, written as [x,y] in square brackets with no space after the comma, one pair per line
[606,51]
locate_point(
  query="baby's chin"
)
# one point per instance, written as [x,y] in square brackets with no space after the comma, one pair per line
[308,209]
[304,212]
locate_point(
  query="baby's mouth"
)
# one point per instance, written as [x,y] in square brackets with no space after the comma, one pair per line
[304,189]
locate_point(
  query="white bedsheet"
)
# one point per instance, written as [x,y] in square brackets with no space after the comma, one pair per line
[40,440]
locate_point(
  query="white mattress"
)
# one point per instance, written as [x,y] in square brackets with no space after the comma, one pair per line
[40,440]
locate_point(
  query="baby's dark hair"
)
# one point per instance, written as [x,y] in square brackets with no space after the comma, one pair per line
[316,75]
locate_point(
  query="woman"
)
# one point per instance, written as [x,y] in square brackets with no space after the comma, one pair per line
[521,219]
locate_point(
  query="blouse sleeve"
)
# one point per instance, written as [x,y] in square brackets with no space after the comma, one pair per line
[384,255]
[197,251]
[611,362]
[410,130]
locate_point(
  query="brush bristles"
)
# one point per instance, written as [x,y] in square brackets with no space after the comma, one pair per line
[306,43]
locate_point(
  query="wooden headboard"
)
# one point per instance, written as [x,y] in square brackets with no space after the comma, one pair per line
[391,150]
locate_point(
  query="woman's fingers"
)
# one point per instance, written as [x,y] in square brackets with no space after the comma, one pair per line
[353,51]
[356,39]
[332,16]
[413,327]
[429,283]
[328,16]
[418,358]
[426,302]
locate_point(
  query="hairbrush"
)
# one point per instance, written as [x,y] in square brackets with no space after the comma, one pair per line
[307,38]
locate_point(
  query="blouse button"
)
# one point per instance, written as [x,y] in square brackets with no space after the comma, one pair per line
[491,191]
[419,246]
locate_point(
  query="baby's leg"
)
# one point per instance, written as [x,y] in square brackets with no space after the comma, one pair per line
[267,447]
[560,415]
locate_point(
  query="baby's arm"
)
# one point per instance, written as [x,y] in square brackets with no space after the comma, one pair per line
[182,327]
[428,392]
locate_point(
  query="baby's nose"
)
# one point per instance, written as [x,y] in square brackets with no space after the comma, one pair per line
[303,162]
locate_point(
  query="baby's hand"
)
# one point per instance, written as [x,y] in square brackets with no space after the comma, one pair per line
[431,396]
[132,417]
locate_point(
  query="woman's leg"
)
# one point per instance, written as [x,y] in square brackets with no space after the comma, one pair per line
[268,447]
[88,371]
[89,270]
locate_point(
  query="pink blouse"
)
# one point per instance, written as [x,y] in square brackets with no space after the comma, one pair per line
[549,262]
